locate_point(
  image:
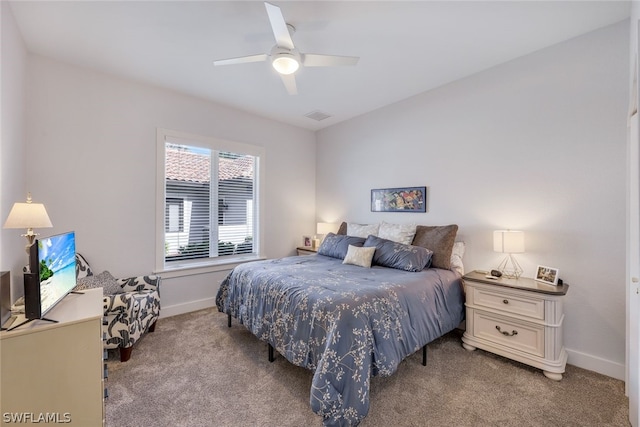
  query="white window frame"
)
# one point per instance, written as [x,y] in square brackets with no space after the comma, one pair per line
[199,266]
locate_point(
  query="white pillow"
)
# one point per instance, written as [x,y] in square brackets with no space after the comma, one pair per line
[401,233]
[456,257]
[359,256]
[362,230]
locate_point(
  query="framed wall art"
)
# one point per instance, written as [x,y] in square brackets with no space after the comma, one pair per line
[403,199]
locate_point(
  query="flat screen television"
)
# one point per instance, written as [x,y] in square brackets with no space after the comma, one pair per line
[53,273]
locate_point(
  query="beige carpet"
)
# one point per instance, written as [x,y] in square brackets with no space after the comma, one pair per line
[194,371]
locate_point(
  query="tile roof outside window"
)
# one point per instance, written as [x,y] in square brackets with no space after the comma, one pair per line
[183,165]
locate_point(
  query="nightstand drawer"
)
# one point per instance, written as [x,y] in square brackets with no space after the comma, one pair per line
[508,332]
[509,303]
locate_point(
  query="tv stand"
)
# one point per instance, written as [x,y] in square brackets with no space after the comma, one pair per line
[31,320]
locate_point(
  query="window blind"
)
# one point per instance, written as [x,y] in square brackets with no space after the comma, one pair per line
[210,203]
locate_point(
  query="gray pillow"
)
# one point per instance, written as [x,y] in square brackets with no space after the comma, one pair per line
[398,255]
[439,240]
[104,280]
[336,246]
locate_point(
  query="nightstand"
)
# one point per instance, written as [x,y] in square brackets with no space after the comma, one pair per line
[306,250]
[520,319]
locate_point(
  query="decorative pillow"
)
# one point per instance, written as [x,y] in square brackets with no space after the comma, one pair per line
[362,230]
[456,257]
[398,255]
[439,240]
[343,228]
[401,233]
[104,280]
[82,267]
[359,256]
[336,246]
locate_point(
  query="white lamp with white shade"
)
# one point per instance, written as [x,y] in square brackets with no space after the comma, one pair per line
[509,242]
[324,228]
[28,215]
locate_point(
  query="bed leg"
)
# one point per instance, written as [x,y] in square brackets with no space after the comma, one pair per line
[424,356]
[271,358]
[228,320]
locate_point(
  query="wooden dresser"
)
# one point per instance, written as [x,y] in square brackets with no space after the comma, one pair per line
[54,371]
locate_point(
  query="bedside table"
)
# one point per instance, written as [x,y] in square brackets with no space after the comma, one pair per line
[306,250]
[520,319]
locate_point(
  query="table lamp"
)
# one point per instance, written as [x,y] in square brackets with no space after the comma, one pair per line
[28,215]
[509,242]
[322,229]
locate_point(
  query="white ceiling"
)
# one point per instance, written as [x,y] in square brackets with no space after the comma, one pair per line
[405,48]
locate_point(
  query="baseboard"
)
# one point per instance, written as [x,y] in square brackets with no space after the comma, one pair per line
[174,310]
[596,364]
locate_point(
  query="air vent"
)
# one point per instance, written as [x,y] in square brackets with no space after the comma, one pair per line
[317,115]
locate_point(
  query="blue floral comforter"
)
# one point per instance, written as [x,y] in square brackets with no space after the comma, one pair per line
[346,323]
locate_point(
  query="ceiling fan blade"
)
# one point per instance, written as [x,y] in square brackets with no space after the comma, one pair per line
[279,26]
[289,81]
[242,60]
[315,60]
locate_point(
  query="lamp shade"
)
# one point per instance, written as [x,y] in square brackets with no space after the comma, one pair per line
[508,241]
[326,228]
[28,215]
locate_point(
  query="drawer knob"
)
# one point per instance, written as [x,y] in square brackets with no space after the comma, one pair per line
[506,301]
[505,333]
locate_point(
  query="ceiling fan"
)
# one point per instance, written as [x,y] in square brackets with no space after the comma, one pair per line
[284,57]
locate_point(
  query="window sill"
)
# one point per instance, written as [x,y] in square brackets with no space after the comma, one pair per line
[204,267]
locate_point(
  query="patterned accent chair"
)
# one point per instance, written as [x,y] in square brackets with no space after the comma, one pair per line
[129,314]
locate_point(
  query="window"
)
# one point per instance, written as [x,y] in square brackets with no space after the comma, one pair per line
[208,196]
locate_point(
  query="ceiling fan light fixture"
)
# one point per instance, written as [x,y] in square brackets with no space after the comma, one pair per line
[285,64]
[284,56]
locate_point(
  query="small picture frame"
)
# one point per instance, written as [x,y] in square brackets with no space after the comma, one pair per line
[548,275]
[306,241]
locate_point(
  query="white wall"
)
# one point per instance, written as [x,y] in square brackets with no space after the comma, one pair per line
[91,140]
[537,144]
[12,152]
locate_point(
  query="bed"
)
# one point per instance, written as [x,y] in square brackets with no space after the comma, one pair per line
[345,322]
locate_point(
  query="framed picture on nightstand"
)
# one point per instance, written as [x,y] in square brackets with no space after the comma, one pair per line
[306,241]
[547,275]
